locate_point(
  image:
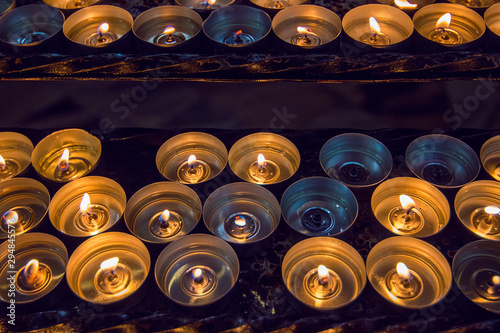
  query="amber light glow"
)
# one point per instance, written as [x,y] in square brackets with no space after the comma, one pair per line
[406,202]
[240,222]
[323,274]
[492,210]
[403,271]
[11,217]
[64,160]
[374,26]
[496,280]
[403,4]
[103,28]
[31,271]
[2,163]
[169,30]
[85,204]
[110,263]
[444,21]
[238,32]
[303,30]
[261,160]
[191,160]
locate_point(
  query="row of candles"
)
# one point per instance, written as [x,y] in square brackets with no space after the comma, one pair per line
[237,27]
[199,269]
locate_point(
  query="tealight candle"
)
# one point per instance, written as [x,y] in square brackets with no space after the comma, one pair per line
[323,273]
[476,270]
[97,26]
[478,207]
[408,6]
[108,268]
[66,155]
[449,25]
[204,5]
[377,26]
[87,206]
[319,206]
[15,154]
[197,270]
[264,158]
[442,160]
[70,4]
[241,213]
[490,156]
[408,272]
[23,204]
[307,26]
[33,269]
[276,4]
[410,207]
[162,212]
[475,4]
[191,157]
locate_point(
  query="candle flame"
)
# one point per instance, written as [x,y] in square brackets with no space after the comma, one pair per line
[197,273]
[31,270]
[2,162]
[165,216]
[444,21]
[374,26]
[303,30]
[492,210]
[11,217]
[496,280]
[323,273]
[64,159]
[103,28]
[403,4]
[211,2]
[403,271]
[85,204]
[406,202]
[238,32]
[261,160]
[240,222]
[169,30]
[110,263]
[191,160]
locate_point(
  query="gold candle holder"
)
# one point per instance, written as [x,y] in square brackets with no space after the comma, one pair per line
[410,207]
[490,155]
[197,270]
[408,272]
[108,268]
[323,273]
[241,213]
[276,5]
[264,158]
[87,206]
[32,265]
[23,204]
[162,212]
[408,6]
[477,5]
[66,155]
[478,207]
[476,270]
[15,154]
[492,21]
[191,158]
[70,5]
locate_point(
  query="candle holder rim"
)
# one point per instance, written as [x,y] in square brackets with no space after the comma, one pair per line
[15,136]
[181,3]
[53,4]
[12,5]
[491,11]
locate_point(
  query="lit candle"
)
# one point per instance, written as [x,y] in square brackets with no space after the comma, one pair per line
[91,217]
[404,4]
[238,38]
[443,34]
[112,278]
[322,283]
[403,283]
[166,224]
[277,4]
[375,36]
[241,226]
[199,281]
[263,171]
[305,37]
[193,171]
[207,5]
[102,36]
[3,165]
[486,283]
[487,220]
[15,154]
[20,218]
[67,169]
[33,277]
[169,36]
[406,218]
[9,167]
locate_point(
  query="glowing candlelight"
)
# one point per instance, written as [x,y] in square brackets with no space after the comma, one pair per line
[305,37]
[374,26]
[406,202]
[492,210]
[11,217]
[110,264]
[169,30]
[444,21]
[404,4]
[165,216]
[403,271]
[496,280]
[102,36]
[102,29]
[443,34]
[375,36]
[323,275]
[403,283]
[191,161]
[261,161]
[240,222]
[63,163]
[406,218]
[85,207]
[303,30]
[197,275]
[31,271]
[487,220]
[2,163]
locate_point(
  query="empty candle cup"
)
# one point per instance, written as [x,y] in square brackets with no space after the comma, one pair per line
[66,155]
[23,205]
[108,268]
[204,7]
[6,5]
[357,160]
[478,207]
[15,154]
[166,28]
[490,157]
[237,28]
[264,158]
[87,206]
[162,212]
[32,269]
[442,26]
[476,270]
[408,272]
[241,213]
[191,158]
[319,206]
[442,160]
[373,27]
[410,207]
[307,27]
[323,273]
[30,28]
[492,21]
[197,270]
[98,28]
